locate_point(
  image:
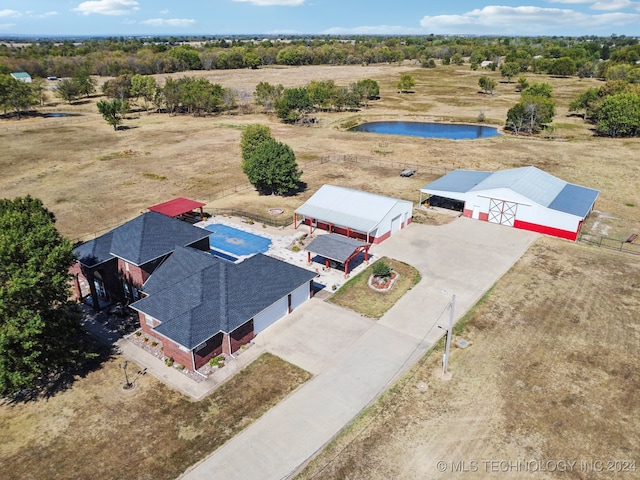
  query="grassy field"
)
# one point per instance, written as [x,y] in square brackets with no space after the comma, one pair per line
[552,374]
[98,430]
[358,296]
[94,178]
[553,368]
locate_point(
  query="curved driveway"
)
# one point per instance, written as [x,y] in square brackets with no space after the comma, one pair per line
[353,358]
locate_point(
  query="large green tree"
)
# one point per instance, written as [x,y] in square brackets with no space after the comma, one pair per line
[38,336]
[406,83]
[535,109]
[269,165]
[619,115]
[111,111]
[510,70]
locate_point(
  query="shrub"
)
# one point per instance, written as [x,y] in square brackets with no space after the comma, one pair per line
[138,333]
[154,344]
[381,269]
[168,361]
[180,367]
[295,248]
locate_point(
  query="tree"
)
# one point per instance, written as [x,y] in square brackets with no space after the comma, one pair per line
[269,165]
[586,101]
[19,96]
[267,95]
[406,83]
[144,86]
[370,87]
[535,109]
[111,111]
[85,83]
[523,84]
[510,70]
[39,337]
[67,90]
[563,67]
[294,103]
[619,115]
[487,84]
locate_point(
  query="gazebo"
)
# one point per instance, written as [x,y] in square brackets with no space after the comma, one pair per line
[337,248]
[181,208]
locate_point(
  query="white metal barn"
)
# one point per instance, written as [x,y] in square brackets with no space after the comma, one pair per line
[354,213]
[525,198]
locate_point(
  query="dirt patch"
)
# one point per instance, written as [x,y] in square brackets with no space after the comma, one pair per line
[553,367]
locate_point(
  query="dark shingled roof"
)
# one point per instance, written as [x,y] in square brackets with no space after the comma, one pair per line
[152,235]
[96,251]
[335,247]
[216,295]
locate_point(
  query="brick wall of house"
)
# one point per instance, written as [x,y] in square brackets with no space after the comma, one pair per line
[174,351]
[212,349]
[240,336]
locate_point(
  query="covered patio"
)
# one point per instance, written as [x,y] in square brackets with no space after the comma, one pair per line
[337,249]
[180,208]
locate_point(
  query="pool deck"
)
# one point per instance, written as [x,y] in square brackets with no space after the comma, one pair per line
[281,238]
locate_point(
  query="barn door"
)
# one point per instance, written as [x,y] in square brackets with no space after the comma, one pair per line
[502,212]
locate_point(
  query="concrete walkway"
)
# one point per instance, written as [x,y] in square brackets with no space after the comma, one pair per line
[355,359]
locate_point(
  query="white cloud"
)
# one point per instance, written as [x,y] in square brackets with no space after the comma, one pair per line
[283,31]
[164,12]
[522,20]
[273,3]
[608,5]
[7,26]
[49,14]
[9,13]
[169,22]
[107,7]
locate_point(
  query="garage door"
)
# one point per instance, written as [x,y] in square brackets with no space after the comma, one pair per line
[270,315]
[502,212]
[395,224]
[299,296]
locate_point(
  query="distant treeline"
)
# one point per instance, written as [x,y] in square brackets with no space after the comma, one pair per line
[590,56]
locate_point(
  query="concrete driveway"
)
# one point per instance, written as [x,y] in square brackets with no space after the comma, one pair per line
[353,358]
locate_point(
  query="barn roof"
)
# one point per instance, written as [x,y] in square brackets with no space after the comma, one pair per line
[345,207]
[530,182]
[176,207]
[196,295]
[335,247]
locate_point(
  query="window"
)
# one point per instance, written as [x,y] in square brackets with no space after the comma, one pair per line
[200,347]
[148,319]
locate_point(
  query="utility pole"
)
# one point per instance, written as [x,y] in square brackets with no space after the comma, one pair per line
[447,348]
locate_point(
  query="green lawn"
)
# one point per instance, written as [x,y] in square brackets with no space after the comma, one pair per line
[358,296]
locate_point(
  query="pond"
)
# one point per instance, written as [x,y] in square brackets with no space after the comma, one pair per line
[453,131]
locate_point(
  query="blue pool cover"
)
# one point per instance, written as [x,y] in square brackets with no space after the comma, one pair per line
[236,242]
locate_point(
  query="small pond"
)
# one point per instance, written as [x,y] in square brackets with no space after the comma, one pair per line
[58,115]
[454,131]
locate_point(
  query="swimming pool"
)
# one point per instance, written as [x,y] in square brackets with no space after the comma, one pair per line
[453,131]
[236,242]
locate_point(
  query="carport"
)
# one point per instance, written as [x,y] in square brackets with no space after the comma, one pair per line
[338,249]
[181,208]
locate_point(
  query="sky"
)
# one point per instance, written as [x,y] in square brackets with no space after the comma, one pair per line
[337,17]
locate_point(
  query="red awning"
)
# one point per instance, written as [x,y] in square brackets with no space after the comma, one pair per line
[176,207]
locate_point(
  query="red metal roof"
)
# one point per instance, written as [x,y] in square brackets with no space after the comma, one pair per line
[176,207]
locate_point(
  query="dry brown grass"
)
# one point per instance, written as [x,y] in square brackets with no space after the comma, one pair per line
[98,430]
[358,296]
[552,374]
[92,177]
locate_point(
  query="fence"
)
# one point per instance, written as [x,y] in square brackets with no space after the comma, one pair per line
[381,162]
[610,243]
[274,222]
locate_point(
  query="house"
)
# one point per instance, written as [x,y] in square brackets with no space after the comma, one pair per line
[200,306]
[354,213]
[113,267]
[22,76]
[526,198]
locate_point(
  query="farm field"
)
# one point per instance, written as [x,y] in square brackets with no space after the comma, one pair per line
[553,370]
[93,178]
[551,376]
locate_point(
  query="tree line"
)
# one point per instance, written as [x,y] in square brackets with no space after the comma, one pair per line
[585,56]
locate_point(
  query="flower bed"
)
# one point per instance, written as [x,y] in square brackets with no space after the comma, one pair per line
[383,284]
